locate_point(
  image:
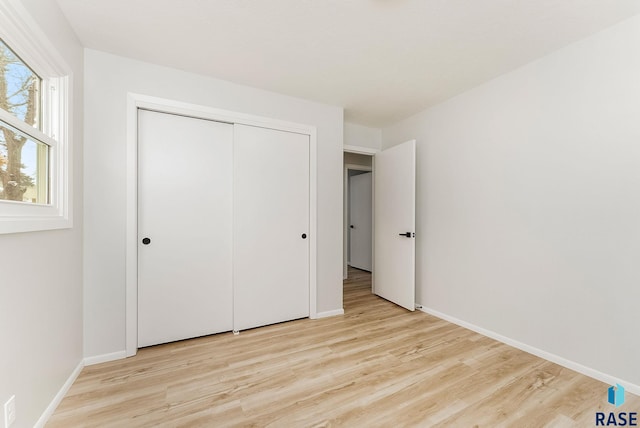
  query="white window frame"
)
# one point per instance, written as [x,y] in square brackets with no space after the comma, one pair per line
[23,35]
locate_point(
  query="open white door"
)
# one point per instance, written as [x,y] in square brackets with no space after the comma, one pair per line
[360,221]
[394,220]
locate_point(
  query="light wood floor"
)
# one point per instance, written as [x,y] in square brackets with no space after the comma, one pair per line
[376,366]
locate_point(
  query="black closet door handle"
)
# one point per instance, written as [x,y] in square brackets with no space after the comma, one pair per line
[304,236]
[406,234]
[146,241]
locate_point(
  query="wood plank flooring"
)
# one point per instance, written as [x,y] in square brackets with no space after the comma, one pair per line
[377,366]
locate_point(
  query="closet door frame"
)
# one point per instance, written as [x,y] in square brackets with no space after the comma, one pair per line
[145,102]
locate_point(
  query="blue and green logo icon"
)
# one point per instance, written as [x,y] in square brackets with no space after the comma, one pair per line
[616,395]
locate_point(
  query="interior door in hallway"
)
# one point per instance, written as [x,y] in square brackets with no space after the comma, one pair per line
[185,182]
[394,230]
[360,221]
[271,226]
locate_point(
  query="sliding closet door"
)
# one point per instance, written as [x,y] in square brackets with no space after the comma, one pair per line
[185,179]
[271,226]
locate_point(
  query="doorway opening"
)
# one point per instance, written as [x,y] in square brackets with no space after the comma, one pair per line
[393,218]
[358,212]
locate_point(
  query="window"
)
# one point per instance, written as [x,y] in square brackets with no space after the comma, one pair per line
[24,166]
[34,143]
[23,160]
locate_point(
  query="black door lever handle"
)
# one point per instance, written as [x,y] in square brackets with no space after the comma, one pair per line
[407,234]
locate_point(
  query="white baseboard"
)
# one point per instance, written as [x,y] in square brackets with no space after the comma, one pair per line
[330,313]
[587,371]
[59,396]
[104,358]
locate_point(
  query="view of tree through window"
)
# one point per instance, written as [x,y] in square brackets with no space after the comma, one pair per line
[23,160]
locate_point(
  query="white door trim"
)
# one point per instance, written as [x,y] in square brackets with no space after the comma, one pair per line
[345,211]
[138,101]
[360,150]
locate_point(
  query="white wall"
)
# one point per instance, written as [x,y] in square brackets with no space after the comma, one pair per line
[108,79]
[40,284]
[362,136]
[357,159]
[528,209]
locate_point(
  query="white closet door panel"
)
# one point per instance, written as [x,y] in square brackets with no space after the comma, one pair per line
[185,203]
[271,214]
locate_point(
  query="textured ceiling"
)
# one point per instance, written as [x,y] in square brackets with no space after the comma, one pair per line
[382,60]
